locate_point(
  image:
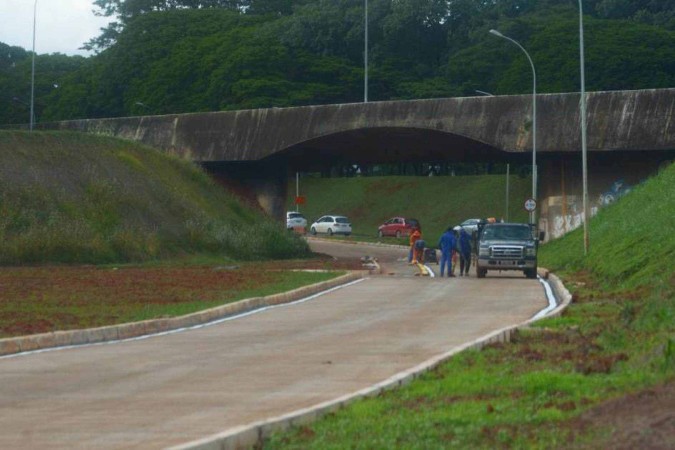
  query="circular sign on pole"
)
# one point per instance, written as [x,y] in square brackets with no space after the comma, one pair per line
[530,205]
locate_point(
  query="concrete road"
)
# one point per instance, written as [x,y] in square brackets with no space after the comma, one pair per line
[168,390]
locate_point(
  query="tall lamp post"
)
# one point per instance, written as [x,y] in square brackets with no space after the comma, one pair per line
[32,76]
[365,57]
[534,117]
[582,105]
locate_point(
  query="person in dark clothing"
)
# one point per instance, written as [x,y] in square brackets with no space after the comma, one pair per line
[464,252]
[447,246]
[418,256]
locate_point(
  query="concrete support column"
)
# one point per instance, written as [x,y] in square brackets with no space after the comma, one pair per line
[260,184]
[611,175]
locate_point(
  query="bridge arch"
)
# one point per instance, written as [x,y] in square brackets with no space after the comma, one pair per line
[378,145]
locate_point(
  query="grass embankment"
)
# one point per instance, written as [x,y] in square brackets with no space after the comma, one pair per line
[566,383]
[77,198]
[69,198]
[437,202]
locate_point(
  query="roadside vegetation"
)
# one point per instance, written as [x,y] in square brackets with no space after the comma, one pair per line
[241,54]
[599,376]
[98,231]
[56,298]
[75,198]
[437,202]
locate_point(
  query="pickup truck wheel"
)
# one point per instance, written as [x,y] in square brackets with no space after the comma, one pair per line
[530,273]
[480,273]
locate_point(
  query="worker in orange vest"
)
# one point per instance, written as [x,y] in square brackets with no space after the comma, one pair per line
[414,237]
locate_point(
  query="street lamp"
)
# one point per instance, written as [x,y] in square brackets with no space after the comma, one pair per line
[534,118]
[584,171]
[365,57]
[32,76]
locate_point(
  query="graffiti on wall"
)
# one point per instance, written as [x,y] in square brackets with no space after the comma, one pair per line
[619,188]
[567,213]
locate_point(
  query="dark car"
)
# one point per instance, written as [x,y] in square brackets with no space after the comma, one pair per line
[397,226]
[507,246]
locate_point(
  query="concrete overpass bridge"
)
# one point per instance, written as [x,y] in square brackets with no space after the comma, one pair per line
[630,134]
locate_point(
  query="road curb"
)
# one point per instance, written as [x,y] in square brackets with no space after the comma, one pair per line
[340,241]
[21,344]
[253,434]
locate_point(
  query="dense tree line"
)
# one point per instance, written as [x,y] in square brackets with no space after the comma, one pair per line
[172,56]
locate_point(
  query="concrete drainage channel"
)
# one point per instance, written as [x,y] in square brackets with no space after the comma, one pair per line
[251,435]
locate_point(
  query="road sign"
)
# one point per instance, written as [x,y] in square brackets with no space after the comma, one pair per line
[300,200]
[530,205]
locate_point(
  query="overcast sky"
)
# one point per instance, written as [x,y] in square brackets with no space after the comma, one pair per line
[61,26]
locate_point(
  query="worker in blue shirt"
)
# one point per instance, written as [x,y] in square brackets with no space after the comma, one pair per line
[447,246]
[464,246]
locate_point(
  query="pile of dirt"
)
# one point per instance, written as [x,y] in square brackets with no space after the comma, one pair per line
[644,420]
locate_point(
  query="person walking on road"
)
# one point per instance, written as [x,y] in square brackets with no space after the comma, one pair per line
[464,252]
[447,245]
[414,237]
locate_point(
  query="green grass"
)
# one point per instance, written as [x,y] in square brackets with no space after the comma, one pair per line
[617,338]
[74,198]
[437,202]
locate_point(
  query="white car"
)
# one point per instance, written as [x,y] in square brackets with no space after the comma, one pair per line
[332,225]
[294,220]
[470,225]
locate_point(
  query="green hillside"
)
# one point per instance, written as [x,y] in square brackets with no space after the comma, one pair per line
[437,202]
[75,198]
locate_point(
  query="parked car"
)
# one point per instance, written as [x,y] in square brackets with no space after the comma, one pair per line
[470,225]
[294,220]
[332,225]
[397,226]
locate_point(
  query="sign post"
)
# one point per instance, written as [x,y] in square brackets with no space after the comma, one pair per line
[300,200]
[531,206]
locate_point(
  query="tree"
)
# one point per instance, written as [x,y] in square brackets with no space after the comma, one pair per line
[127,10]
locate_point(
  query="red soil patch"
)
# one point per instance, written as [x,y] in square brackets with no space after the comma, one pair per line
[644,420]
[44,299]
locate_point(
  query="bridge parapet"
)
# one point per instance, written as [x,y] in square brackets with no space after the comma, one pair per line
[617,120]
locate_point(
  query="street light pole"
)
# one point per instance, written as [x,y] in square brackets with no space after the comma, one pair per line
[534,118]
[584,170]
[365,57]
[32,77]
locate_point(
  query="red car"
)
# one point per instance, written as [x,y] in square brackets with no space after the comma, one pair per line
[397,226]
